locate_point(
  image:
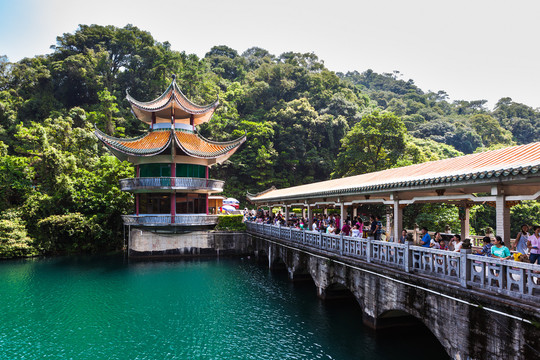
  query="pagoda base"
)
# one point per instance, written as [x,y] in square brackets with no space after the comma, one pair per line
[146,243]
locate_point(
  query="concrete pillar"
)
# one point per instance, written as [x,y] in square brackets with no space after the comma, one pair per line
[310,216]
[325,211]
[389,223]
[303,212]
[464,212]
[286,215]
[355,211]
[397,221]
[502,219]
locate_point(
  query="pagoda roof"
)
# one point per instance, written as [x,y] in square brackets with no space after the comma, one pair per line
[197,146]
[148,144]
[172,101]
[156,141]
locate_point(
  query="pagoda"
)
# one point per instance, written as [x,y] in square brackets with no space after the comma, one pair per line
[171,159]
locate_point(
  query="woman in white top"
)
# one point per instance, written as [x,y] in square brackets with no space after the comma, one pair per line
[534,245]
[331,229]
[355,232]
[457,243]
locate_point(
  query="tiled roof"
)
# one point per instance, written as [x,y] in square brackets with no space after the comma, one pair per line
[496,164]
[148,144]
[195,145]
[157,141]
[173,96]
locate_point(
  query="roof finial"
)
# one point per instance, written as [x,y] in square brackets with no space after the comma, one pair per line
[173,77]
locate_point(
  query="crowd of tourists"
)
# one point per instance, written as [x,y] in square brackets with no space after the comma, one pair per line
[526,247]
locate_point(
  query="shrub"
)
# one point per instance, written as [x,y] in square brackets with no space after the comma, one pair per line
[71,233]
[14,240]
[231,223]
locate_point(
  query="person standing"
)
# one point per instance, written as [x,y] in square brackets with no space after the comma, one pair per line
[378,231]
[520,245]
[426,239]
[346,228]
[373,228]
[534,245]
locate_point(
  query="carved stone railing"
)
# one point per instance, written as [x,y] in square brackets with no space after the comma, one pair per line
[516,279]
[167,220]
[176,183]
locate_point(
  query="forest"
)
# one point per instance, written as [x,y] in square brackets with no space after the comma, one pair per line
[59,190]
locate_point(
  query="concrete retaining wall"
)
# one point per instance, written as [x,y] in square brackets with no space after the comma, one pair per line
[197,243]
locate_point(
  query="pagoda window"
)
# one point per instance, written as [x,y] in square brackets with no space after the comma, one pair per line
[191,170]
[190,203]
[155,170]
[154,203]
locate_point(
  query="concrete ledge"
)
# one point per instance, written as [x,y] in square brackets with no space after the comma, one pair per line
[144,243]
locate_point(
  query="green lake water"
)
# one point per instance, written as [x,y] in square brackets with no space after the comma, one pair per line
[109,308]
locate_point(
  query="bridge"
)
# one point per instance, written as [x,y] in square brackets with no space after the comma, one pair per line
[477,307]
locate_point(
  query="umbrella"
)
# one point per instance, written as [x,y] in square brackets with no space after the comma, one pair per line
[228,208]
[231,200]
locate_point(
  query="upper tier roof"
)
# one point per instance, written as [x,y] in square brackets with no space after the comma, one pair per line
[172,101]
[156,141]
[482,167]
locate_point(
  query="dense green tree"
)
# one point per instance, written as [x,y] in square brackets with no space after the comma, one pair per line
[375,143]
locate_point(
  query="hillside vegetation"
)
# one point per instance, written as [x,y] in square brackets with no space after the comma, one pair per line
[59,188]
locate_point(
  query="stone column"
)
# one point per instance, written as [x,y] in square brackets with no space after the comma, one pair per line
[286,214]
[303,211]
[389,223]
[398,220]
[310,216]
[464,219]
[502,219]
[355,210]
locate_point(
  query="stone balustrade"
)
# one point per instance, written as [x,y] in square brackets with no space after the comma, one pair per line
[515,279]
[167,220]
[176,183]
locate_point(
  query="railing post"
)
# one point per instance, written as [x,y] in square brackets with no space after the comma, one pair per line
[368,250]
[407,257]
[319,244]
[341,243]
[465,267]
[279,231]
[303,236]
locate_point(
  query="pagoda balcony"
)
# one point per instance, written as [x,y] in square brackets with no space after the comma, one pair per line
[166,220]
[149,184]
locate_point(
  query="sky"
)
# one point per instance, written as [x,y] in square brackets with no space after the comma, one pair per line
[472,49]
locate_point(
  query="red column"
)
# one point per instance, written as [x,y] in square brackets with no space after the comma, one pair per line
[173,194]
[137,204]
[173,207]
[207,193]
[137,171]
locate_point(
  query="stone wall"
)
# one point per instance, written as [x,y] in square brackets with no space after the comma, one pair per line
[144,243]
[468,323]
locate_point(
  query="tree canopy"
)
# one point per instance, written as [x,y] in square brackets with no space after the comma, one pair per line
[304,123]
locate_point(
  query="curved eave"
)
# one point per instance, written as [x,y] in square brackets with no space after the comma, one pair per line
[228,148]
[173,95]
[117,146]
